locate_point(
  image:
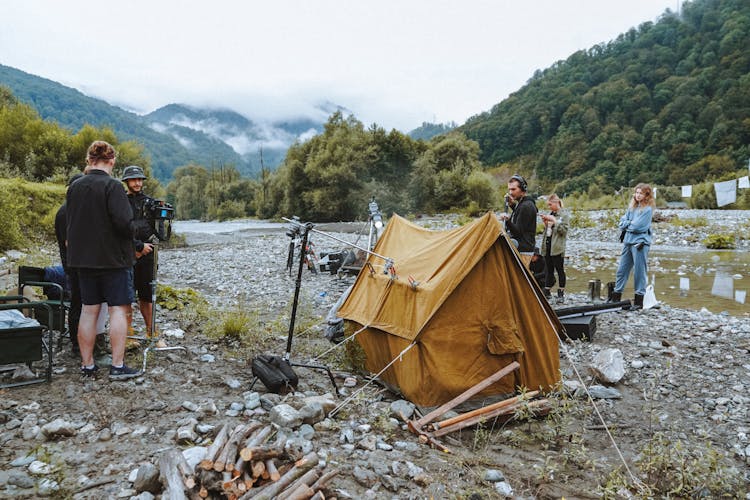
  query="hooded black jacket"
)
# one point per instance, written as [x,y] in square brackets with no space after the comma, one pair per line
[99,223]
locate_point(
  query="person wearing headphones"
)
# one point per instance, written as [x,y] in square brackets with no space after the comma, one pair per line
[521,223]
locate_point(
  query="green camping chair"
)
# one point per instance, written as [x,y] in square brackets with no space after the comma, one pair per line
[27,343]
[29,276]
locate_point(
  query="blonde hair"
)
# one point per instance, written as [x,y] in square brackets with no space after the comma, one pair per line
[555,199]
[648,196]
[100,151]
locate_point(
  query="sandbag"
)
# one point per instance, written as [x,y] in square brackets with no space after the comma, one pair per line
[275,372]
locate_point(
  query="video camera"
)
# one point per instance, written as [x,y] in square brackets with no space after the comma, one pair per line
[157,210]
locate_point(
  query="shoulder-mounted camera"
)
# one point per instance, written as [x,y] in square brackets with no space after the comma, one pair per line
[157,210]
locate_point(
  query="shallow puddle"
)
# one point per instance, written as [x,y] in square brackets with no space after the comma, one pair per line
[689,278]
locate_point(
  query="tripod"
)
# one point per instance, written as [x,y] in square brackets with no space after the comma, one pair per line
[303,231]
[154,339]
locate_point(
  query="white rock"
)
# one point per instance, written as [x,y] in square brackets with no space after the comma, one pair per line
[608,366]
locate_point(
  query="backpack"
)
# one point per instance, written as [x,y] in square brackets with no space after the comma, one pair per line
[275,372]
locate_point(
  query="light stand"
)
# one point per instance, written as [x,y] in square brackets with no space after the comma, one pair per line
[154,340]
[303,230]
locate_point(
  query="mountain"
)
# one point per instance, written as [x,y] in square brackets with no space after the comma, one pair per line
[174,135]
[668,103]
[247,138]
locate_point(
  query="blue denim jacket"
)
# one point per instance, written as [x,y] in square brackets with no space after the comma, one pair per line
[637,223]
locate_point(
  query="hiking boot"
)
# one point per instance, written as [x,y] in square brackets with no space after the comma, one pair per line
[123,373]
[615,297]
[547,293]
[89,372]
[637,302]
[560,296]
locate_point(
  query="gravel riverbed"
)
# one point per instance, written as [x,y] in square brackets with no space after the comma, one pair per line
[686,378]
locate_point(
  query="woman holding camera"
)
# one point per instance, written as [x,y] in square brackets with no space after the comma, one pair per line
[553,246]
[635,227]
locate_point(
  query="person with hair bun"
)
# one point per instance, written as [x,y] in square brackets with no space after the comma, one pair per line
[100,251]
[635,227]
[554,240]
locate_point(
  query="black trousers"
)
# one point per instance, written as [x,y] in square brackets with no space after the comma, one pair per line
[554,263]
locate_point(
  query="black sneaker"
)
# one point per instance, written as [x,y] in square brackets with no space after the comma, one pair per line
[89,372]
[123,373]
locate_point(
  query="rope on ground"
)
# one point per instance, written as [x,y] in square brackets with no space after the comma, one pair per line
[355,393]
[336,346]
[637,482]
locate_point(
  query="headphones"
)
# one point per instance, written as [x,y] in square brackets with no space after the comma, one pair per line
[521,182]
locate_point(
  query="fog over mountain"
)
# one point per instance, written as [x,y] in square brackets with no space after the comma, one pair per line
[247,137]
[176,134]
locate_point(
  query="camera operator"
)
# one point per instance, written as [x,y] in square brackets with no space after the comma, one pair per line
[145,229]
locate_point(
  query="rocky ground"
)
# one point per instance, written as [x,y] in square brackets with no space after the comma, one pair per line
[680,408]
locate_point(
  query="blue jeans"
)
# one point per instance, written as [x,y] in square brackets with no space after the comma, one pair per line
[632,258]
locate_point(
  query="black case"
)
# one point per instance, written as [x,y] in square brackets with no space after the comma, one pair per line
[579,328]
[275,372]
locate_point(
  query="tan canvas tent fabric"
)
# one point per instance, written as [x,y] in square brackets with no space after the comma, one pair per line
[475,309]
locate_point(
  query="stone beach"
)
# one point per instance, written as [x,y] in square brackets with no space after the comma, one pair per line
[684,374]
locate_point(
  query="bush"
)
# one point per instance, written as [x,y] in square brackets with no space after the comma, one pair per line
[719,241]
[28,210]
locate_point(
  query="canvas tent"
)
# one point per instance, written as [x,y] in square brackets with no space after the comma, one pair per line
[475,309]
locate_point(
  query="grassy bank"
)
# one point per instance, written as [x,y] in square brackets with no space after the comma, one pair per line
[28,210]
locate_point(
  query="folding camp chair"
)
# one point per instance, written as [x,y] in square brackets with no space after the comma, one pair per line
[26,343]
[34,277]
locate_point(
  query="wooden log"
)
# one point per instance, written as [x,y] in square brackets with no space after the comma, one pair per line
[257,468]
[257,453]
[484,409]
[248,479]
[272,489]
[324,480]
[226,457]
[305,480]
[273,472]
[416,426]
[508,410]
[203,492]
[213,450]
[171,476]
[255,440]
[301,492]
[318,496]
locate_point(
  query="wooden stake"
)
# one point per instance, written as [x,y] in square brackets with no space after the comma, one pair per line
[416,426]
[484,409]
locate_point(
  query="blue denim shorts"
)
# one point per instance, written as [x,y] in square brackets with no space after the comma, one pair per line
[113,286]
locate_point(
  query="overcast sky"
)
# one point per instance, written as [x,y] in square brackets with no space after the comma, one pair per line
[394,63]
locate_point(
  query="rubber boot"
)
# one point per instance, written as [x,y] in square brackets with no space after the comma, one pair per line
[547,293]
[560,296]
[637,302]
[615,297]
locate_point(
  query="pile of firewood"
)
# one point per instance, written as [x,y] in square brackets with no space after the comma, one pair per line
[242,464]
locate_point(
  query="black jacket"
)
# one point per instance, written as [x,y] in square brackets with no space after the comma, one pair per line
[144,226]
[99,223]
[522,224]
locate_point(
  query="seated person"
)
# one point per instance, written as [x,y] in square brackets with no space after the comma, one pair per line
[56,274]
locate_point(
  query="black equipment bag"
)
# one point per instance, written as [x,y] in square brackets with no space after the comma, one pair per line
[275,372]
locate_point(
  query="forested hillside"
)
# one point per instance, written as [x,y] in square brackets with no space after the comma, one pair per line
[667,103]
[72,110]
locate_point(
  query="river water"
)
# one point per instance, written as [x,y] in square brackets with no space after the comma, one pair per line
[687,277]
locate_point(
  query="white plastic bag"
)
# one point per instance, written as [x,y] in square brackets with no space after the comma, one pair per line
[649,300]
